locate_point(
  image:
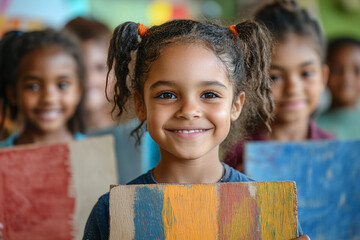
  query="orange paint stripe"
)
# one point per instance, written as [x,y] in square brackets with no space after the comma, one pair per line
[190,212]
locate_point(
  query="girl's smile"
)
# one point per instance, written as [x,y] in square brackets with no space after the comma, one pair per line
[48,114]
[292,104]
[189,132]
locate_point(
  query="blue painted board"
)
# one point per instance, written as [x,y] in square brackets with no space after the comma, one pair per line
[327,175]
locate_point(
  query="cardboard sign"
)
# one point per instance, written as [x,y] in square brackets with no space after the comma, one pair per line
[49,191]
[35,201]
[132,160]
[251,210]
[327,175]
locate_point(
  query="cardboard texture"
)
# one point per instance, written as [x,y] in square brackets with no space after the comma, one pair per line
[204,211]
[132,160]
[48,191]
[327,175]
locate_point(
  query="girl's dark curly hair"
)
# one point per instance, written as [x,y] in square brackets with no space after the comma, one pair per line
[246,57]
[285,16]
[15,45]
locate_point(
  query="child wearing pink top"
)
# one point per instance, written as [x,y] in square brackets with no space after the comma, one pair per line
[298,76]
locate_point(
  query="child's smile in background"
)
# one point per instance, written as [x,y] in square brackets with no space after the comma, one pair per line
[189,103]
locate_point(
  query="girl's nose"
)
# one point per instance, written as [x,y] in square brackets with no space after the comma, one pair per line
[293,84]
[348,76]
[49,93]
[189,109]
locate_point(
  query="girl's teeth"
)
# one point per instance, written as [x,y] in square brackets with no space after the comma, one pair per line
[190,131]
[50,115]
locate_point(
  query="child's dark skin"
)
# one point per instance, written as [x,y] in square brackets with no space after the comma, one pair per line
[344,78]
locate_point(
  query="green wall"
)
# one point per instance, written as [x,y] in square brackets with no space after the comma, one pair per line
[115,12]
[337,21]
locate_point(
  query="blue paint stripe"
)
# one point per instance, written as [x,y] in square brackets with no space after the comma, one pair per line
[148,205]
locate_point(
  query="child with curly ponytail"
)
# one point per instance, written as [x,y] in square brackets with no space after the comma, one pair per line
[192,82]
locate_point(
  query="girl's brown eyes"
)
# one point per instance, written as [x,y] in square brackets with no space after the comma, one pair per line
[275,77]
[166,95]
[307,73]
[210,95]
[32,86]
[170,95]
[63,85]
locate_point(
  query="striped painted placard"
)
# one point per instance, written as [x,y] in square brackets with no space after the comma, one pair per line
[251,210]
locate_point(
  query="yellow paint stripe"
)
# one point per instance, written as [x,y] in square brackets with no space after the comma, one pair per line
[190,212]
[276,225]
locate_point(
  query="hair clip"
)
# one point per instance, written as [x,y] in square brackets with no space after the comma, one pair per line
[232,28]
[142,30]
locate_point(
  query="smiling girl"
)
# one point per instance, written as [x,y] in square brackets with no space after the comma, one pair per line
[298,74]
[41,81]
[189,86]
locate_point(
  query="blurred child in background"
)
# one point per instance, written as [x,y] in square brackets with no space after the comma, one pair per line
[343,58]
[94,38]
[298,75]
[42,81]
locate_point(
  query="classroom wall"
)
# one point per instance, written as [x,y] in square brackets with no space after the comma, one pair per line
[144,11]
[36,14]
[337,17]
[340,17]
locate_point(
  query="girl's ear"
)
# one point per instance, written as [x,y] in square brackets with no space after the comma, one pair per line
[140,108]
[237,106]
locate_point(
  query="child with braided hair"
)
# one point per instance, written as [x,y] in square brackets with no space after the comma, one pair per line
[41,80]
[189,85]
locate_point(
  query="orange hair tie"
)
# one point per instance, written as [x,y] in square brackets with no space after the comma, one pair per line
[232,28]
[142,29]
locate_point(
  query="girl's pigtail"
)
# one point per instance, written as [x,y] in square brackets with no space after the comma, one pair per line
[7,75]
[123,42]
[257,49]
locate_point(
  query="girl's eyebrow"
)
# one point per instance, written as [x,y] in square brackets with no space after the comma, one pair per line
[204,83]
[64,76]
[30,77]
[162,83]
[213,83]
[310,62]
[33,77]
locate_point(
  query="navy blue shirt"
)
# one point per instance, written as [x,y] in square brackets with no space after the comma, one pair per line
[97,226]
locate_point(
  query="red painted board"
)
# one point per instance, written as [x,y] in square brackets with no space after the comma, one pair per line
[34,193]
